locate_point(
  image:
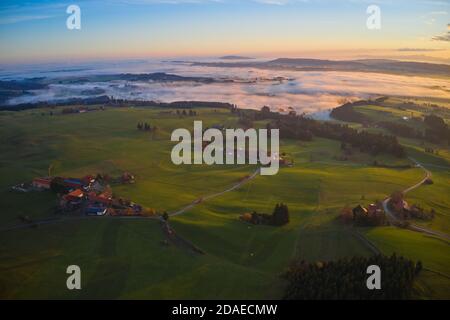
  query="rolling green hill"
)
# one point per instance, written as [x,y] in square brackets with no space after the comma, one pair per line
[128,258]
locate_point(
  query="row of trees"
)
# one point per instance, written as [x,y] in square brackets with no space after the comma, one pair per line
[144,126]
[293,126]
[436,131]
[184,113]
[346,279]
[302,128]
[113,102]
[401,130]
[347,113]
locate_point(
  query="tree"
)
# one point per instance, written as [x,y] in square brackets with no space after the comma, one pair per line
[265,111]
[418,267]
[280,214]
[346,279]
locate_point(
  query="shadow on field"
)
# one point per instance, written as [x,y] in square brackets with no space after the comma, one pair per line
[109,278]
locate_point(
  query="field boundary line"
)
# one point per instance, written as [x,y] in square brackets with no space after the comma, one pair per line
[369,244]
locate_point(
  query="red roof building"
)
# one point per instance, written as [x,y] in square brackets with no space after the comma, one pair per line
[104,198]
[87,180]
[74,195]
[42,183]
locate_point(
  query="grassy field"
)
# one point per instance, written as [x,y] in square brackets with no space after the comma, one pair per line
[435,197]
[434,283]
[128,259]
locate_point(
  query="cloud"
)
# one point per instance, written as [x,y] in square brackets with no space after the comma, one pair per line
[417,50]
[22,18]
[443,37]
[27,11]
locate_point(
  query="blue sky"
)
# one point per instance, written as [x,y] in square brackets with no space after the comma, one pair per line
[33,31]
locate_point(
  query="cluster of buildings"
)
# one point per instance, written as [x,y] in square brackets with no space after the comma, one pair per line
[90,195]
[372,209]
[406,211]
[373,215]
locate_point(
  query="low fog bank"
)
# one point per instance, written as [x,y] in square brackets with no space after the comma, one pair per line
[304,91]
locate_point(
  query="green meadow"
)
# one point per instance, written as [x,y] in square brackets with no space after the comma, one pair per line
[128,259]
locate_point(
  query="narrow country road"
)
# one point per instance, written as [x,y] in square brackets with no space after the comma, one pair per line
[214,195]
[393,218]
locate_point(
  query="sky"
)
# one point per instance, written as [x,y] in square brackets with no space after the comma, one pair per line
[35,31]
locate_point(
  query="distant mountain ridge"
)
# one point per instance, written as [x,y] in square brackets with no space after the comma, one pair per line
[233,57]
[362,65]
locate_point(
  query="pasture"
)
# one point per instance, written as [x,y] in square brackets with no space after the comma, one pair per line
[123,258]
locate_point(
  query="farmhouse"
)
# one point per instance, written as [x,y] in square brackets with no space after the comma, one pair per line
[127,178]
[93,210]
[42,183]
[104,198]
[22,187]
[73,183]
[286,162]
[96,186]
[358,211]
[88,180]
[89,195]
[373,215]
[75,195]
[374,209]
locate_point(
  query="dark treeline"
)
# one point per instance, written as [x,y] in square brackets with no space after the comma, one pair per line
[112,102]
[401,130]
[184,113]
[347,113]
[436,131]
[293,126]
[300,127]
[104,100]
[347,279]
[144,126]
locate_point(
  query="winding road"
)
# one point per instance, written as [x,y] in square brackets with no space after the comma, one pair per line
[393,218]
